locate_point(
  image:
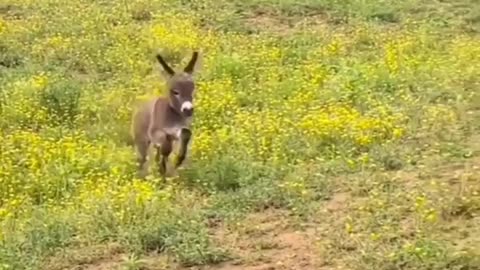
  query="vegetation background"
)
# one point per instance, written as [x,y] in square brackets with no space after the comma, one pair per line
[328,135]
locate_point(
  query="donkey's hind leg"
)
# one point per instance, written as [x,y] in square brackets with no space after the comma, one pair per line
[142,153]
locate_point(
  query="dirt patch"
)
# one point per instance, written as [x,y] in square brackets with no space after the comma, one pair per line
[268,23]
[268,240]
[338,202]
[111,264]
[284,26]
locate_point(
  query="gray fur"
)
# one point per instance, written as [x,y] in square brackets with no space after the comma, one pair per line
[165,120]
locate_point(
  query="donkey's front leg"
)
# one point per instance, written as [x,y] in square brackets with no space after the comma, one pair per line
[185,137]
[163,151]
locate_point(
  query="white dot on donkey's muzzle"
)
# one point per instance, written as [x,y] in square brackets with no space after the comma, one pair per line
[187,105]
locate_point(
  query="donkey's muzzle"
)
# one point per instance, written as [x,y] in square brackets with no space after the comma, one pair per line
[187,112]
[187,108]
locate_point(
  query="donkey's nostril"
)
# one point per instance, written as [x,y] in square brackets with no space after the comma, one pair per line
[188,112]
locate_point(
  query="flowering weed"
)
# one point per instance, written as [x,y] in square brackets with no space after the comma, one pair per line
[285,118]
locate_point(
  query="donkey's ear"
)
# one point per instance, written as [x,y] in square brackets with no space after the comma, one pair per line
[192,65]
[165,66]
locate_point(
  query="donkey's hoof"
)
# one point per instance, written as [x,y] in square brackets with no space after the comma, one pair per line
[141,175]
[172,174]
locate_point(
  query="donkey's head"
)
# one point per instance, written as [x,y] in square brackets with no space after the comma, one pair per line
[181,85]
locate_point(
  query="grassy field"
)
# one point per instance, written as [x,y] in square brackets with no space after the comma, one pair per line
[328,135]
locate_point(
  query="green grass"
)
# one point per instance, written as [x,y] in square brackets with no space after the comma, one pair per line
[353,123]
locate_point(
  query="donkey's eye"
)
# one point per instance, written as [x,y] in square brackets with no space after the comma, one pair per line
[175,92]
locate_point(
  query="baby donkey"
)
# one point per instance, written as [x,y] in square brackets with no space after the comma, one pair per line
[165,120]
